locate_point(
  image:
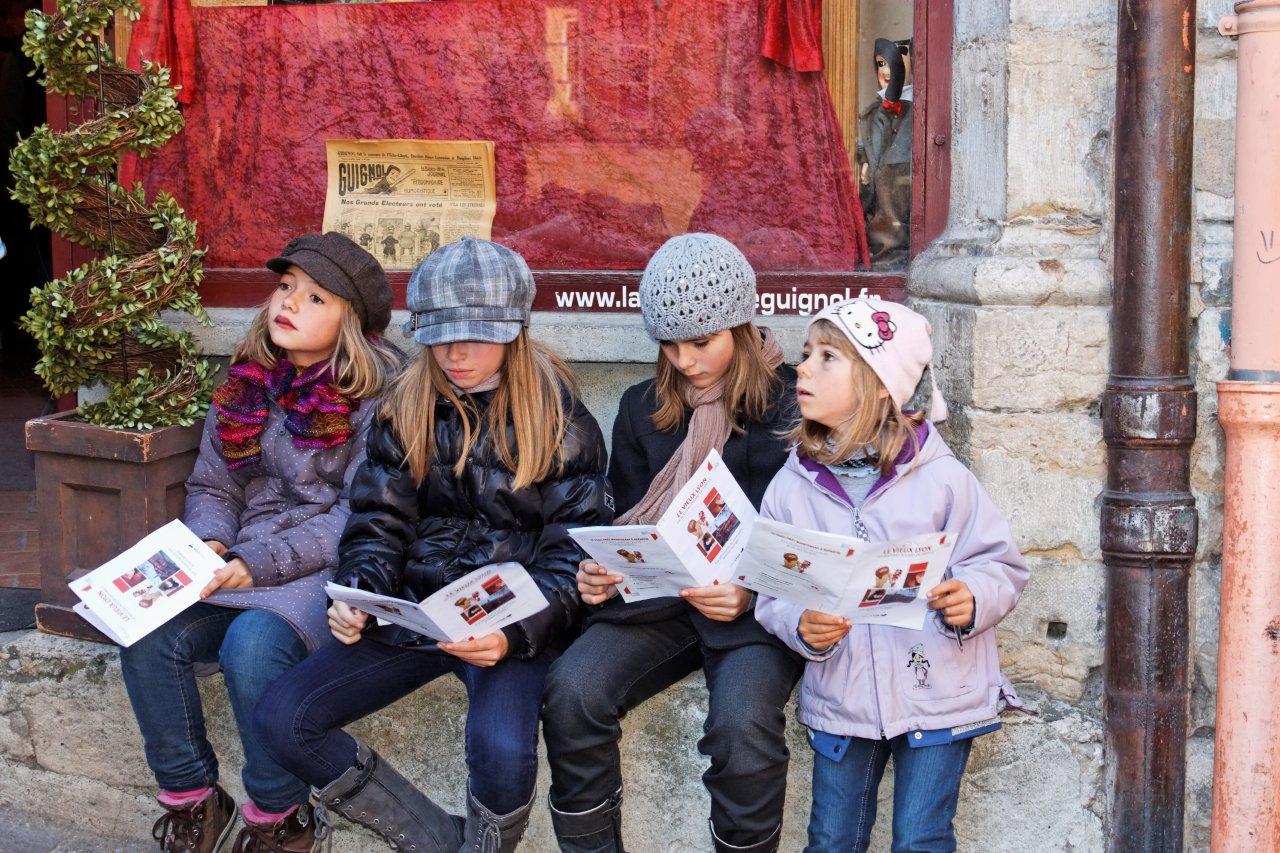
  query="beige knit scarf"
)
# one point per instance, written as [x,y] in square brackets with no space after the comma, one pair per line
[708,428]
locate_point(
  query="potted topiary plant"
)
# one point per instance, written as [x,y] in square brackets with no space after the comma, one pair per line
[110,472]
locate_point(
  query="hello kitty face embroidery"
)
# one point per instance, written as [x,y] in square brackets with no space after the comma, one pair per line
[868,325]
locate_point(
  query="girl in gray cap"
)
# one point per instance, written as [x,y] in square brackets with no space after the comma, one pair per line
[284,436]
[720,384]
[481,454]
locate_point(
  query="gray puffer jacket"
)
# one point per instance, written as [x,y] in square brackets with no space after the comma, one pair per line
[283,517]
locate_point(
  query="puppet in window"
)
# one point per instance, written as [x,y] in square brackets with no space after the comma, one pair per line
[885,152]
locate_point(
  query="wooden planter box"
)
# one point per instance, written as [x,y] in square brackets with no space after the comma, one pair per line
[98,491]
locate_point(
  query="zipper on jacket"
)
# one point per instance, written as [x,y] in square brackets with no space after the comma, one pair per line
[875,687]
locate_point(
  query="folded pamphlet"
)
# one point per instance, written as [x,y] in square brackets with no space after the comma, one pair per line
[486,600]
[131,595]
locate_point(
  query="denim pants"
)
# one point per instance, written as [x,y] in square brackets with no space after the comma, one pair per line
[300,718]
[613,668]
[926,787]
[254,647]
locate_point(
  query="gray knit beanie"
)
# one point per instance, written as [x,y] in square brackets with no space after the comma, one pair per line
[696,285]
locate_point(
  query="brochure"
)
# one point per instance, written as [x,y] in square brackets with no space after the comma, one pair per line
[131,595]
[712,534]
[881,584]
[697,541]
[486,600]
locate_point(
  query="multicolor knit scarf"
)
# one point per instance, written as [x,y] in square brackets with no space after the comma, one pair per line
[316,415]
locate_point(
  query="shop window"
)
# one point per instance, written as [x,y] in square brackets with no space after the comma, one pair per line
[615,124]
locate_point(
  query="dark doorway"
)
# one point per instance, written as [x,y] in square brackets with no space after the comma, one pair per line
[26,264]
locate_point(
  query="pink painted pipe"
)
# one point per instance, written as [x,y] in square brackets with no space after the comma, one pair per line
[1246,763]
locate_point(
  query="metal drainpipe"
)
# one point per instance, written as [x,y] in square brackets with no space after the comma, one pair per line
[1246,763]
[1148,519]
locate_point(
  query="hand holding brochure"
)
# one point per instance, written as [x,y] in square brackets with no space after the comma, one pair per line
[880,584]
[696,542]
[712,534]
[131,595]
[486,600]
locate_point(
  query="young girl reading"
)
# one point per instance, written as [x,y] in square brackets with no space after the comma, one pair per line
[481,454]
[284,435]
[863,464]
[720,384]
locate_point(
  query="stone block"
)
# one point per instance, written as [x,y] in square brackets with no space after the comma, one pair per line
[1041,358]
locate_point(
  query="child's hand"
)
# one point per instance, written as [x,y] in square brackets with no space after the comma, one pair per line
[345,622]
[218,547]
[484,651]
[955,602]
[234,575]
[595,584]
[722,603]
[821,631]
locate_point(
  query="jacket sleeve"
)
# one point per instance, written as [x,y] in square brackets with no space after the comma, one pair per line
[383,519]
[306,548]
[215,495]
[579,496]
[782,618]
[628,473]
[985,556]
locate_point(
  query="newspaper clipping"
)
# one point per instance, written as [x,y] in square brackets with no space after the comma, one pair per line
[401,199]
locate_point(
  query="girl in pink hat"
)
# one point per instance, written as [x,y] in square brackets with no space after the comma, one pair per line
[863,461]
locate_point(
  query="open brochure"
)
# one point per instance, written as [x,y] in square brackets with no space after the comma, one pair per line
[131,595]
[712,534]
[882,583]
[486,600]
[697,541]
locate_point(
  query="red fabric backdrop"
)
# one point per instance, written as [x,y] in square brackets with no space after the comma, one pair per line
[616,124]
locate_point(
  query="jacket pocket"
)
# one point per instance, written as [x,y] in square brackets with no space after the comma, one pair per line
[934,668]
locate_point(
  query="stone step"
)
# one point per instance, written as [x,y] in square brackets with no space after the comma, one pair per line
[71,760]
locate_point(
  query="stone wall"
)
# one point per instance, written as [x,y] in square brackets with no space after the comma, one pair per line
[1018,288]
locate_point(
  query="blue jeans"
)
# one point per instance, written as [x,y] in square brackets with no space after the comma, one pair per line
[254,648]
[926,787]
[300,718]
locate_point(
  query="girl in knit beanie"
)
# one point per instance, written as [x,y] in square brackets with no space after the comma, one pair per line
[720,384]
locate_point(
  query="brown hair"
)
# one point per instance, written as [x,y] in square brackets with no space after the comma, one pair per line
[529,398]
[749,383]
[876,422]
[363,365]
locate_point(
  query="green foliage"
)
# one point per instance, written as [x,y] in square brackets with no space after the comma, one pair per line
[100,322]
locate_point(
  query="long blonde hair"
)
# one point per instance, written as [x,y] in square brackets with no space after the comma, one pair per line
[749,384]
[363,365]
[530,398]
[876,423]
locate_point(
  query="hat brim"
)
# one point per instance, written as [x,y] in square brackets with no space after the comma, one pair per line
[481,331]
[325,272]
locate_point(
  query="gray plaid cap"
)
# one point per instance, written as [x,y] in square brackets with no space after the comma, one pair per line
[471,290]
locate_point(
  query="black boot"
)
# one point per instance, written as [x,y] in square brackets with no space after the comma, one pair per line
[597,830]
[374,795]
[768,845]
[487,832]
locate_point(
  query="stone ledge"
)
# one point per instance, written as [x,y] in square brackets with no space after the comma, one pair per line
[67,736]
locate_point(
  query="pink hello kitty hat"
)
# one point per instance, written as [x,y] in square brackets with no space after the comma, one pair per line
[893,340]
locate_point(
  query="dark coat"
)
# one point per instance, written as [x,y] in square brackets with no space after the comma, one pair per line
[640,450]
[283,517]
[410,540]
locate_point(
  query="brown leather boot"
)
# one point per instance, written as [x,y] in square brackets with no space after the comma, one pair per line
[198,828]
[294,834]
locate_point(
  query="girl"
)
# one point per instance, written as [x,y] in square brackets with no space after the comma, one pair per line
[284,435]
[721,384]
[482,454]
[862,464]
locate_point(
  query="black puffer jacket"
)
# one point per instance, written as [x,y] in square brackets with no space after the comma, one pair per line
[408,540]
[640,450]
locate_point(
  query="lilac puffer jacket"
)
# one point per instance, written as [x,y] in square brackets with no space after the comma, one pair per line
[873,683]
